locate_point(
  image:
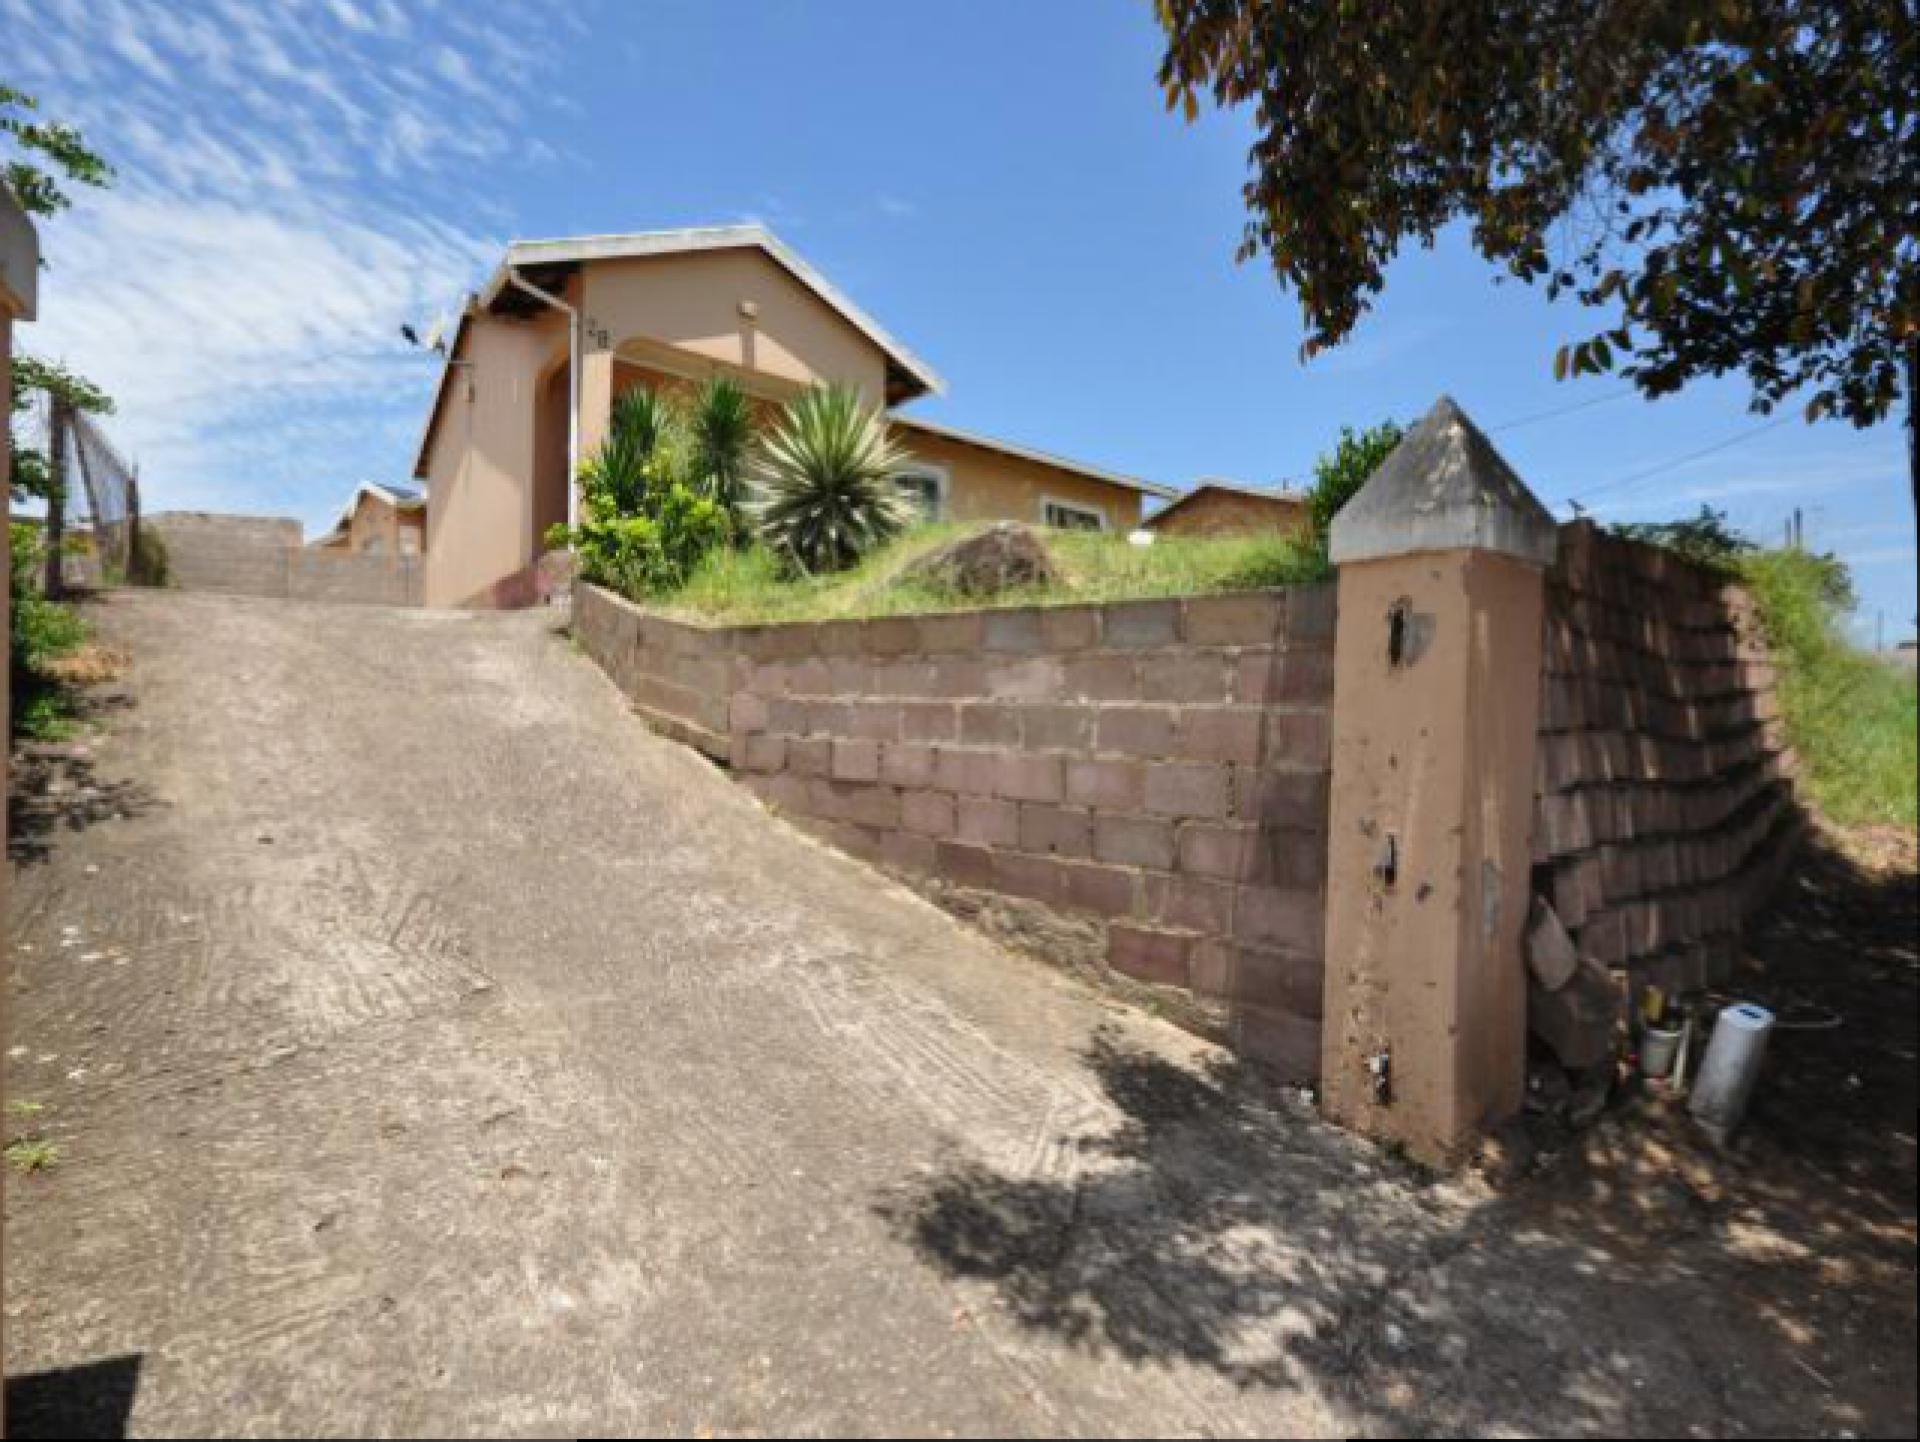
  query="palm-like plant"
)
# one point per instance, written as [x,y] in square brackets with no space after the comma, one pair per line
[616,477]
[828,478]
[720,423]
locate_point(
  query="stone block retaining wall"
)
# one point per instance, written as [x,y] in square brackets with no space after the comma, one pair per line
[1161,768]
[1665,810]
[1158,767]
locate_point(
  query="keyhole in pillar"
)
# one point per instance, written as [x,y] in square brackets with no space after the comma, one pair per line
[1397,621]
[1386,865]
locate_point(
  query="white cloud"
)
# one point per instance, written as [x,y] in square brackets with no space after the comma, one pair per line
[294,183]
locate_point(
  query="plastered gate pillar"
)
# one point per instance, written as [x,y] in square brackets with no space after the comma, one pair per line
[1441,561]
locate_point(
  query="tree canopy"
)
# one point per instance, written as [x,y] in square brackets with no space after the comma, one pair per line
[1736,181]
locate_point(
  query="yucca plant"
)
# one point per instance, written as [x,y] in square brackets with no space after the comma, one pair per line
[615,478]
[720,423]
[827,482]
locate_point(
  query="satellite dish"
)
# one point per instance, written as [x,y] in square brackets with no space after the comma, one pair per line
[437,335]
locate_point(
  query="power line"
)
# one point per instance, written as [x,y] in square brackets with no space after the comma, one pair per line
[1561,411]
[1651,471]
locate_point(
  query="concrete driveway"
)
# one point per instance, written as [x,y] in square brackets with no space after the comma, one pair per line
[431,1049]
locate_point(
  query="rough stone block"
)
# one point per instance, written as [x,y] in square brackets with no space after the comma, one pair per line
[961,631]
[909,851]
[1056,830]
[984,821]
[1106,785]
[927,813]
[1136,625]
[966,771]
[1100,678]
[1021,776]
[1014,631]
[986,723]
[1149,954]
[1219,850]
[902,764]
[1183,675]
[1146,731]
[1551,954]
[762,752]
[964,865]
[856,761]
[1264,976]
[1065,726]
[929,721]
[1578,1021]
[1252,619]
[747,712]
[1188,789]
[1032,678]
[1191,903]
[1070,628]
[1134,841]
[809,756]
[1220,733]
[1268,916]
[1102,890]
[1038,878]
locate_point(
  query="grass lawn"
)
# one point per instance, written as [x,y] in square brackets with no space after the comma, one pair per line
[747,586]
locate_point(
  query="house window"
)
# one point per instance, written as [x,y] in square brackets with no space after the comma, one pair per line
[926,488]
[1071,516]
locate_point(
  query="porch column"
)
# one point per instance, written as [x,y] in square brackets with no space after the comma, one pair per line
[596,398]
[1436,705]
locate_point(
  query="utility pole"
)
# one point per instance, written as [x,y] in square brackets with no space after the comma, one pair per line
[59,422]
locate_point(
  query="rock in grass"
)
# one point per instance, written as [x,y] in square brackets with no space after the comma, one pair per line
[1004,557]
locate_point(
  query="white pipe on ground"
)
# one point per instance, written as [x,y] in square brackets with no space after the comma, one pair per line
[520,282]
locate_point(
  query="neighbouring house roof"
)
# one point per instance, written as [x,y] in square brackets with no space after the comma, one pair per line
[913,375]
[401,498]
[1027,453]
[1278,495]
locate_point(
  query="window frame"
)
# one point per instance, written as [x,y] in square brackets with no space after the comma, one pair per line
[942,477]
[1085,508]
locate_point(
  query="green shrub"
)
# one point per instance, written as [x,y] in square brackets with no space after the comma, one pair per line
[828,483]
[40,630]
[149,564]
[648,517]
[1337,477]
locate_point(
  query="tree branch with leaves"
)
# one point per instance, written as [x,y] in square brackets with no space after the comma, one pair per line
[1737,181]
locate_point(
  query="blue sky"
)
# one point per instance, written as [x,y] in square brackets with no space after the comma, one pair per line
[997,182]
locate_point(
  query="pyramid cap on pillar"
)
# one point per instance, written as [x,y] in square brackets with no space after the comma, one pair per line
[1444,488]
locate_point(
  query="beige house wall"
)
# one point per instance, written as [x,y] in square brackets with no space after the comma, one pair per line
[481,461]
[987,484]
